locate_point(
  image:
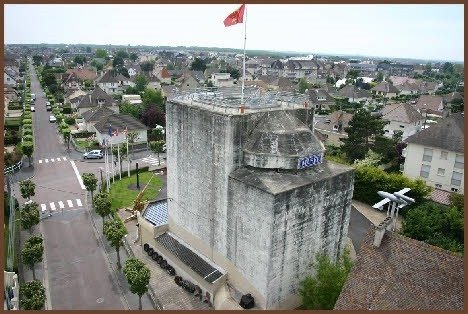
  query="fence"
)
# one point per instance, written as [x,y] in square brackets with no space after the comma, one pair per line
[13,168]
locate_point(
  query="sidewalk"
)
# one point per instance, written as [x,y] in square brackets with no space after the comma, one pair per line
[169,295]
[374,215]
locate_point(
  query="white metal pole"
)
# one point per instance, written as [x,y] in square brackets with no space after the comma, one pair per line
[243,67]
[128,160]
[112,161]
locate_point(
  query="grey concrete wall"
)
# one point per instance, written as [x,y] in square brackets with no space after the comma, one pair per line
[202,149]
[308,220]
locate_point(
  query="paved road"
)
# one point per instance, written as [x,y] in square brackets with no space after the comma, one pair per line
[76,270]
[359,225]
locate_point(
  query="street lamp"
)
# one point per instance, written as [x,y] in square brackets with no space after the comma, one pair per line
[100,169]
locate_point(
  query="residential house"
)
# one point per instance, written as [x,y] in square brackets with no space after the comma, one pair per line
[332,128]
[72,96]
[354,94]
[252,66]
[168,90]
[83,74]
[429,87]
[286,84]
[364,68]
[153,82]
[300,69]
[393,273]
[120,122]
[163,75]
[112,83]
[402,117]
[97,98]
[320,99]
[395,69]
[134,69]
[222,80]
[9,78]
[436,155]
[399,80]
[452,98]
[385,89]
[431,106]
[188,81]
[94,115]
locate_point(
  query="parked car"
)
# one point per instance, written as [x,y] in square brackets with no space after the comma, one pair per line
[33,109]
[48,108]
[164,147]
[94,154]
[33,97]
[52,119]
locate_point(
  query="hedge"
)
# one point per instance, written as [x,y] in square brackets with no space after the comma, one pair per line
[70,120]
[27,132]
[15,106]
[82,134]
[12,137]
[28,138]
[27,121]
[369,180]
[67,109]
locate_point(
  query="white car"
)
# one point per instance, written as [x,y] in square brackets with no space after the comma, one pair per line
[33,109]
[52,119]
[94,154]
[164,147]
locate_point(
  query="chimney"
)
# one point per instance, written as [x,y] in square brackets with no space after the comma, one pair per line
[385,225]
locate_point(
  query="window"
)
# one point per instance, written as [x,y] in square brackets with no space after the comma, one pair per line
[441,172]
[425,171]
[454,190]
[335,128]
[402,126]
[459,162]
[438,185]
[456,178]
[427,154]
[443,155]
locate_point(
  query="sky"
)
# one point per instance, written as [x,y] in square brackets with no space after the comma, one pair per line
[429,32]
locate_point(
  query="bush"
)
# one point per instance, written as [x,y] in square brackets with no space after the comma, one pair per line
[28,138]
[15,106]
[27,116]
[27,132]
[70,120]
[369,180]
[82,134]
[67,109]
[27,121]
[12,137]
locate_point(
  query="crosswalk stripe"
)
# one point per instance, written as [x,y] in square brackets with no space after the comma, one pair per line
[47,160]
[64,158]
[52,206]
[70,204]
[61,205]
[78,201]
[40,161]
[58,159]
[53,160]
[43,207]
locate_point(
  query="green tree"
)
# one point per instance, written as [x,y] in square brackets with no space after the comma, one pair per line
[117,63]
[352,74]
[198,65]
[27,188]
[115,231]
[147,66]
[28,148]
[101,53]
[132,137]
[157,147]
[32,295]
[130,109]
[379,77]
[79,60]
[133,56]
[361,130]
[140,82]
[32,253]
[436,224]
[90,182]
[322,291]
[122,54]
[37,60]
[102,205]
[88,84]
[138,277]
[30,216]
[303,85]
[152,97]
[66,136]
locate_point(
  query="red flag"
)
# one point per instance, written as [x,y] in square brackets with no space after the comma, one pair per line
[125,131]
[235,17]
[115,132]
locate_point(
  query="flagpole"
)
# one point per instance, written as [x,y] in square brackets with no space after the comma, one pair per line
[112,162]
[128,160]
[243,67]
[118,160]
[107,167]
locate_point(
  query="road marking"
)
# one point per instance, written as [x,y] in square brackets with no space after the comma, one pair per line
[64,158]
[47,160]
[78,201]
[80,180]
[40,161]
[53,160]
[58,159]
[61,205]
[52,206]
[70,203]
[43,207]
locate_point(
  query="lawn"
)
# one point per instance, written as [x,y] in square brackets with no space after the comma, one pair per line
[83,143]
[122,196]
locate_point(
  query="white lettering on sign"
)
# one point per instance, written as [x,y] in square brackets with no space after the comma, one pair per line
[309,161]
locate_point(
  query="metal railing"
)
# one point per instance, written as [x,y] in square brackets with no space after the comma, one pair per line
[230,97]
[13,168]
